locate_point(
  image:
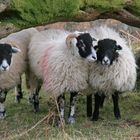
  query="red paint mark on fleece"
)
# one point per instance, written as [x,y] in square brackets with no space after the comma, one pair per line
[44,66]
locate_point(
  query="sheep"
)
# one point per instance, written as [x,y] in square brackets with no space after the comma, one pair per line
[12,65]
[115,70]
[5,60]
[60,60]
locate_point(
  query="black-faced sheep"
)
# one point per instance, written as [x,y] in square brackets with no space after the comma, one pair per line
[12,66]
[60,60]
[115,70]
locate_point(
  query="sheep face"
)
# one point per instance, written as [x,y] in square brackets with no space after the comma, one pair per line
[81,44]
[107,51]
[85,47]
[6,51]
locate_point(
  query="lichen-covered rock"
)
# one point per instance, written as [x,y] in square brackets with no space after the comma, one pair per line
[4,4]
[6,29]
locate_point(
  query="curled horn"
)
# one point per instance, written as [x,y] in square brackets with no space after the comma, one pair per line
[71,38]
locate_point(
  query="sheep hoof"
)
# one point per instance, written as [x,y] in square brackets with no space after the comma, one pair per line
[18,97]
[95,119]
[36,109]
[89,115]
[60,123]
[36,106]
[71,120]
[2,114]
[118,117]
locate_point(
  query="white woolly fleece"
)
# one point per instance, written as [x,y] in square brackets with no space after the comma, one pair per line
[11,78]
[56,63]
[121,75]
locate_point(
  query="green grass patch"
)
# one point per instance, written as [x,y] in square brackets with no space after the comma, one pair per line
[135,7]
[35,12]
[28,13]
[20,118]
[104,5]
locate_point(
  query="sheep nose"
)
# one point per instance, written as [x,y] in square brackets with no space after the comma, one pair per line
[105,61]
[94,57]
[4,67]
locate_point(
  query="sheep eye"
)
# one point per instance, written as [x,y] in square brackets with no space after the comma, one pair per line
[81,42]
[83,48]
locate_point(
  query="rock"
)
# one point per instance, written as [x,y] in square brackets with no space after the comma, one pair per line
[129,32]
[7,29]
[4,4]
[133,33]
[2,7]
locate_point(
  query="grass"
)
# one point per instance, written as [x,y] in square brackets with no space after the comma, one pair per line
[27,13]
[20,118]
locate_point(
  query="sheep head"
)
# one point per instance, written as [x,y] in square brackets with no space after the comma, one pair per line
[6,51]
[107,51]
[81,45]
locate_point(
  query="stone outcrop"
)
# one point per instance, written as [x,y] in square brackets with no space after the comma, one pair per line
[6,29]
[4,4]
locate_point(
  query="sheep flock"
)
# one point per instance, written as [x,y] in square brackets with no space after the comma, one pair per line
[97,62]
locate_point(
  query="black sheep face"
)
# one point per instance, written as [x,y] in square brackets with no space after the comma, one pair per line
[85,46]
[6,51]
[107,51]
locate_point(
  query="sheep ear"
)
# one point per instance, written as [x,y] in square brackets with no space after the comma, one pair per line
[15,50]
[118,47]
[93,39]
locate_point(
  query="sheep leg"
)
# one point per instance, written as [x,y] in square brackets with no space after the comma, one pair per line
[18,91]
[34,85]
[2,107]
[35,98]
[89,105]
[115,98]
[61,105]
[31,84]
[71,118]
[102,100]
[96,108]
